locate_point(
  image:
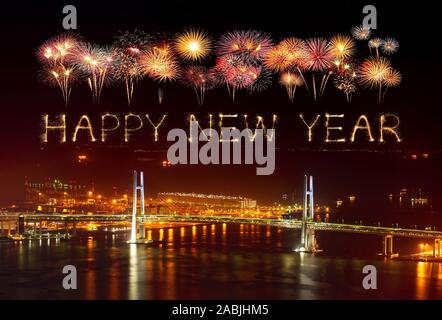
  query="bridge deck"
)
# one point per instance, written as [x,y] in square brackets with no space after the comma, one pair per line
[320,226]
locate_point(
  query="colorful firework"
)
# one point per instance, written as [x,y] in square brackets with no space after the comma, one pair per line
[263,80]
[58,49]
[245,60]
[128,47]
[242,77]
[193,44]
[361,32]
[290,81]
[95,63]
[373,73]
[252,45]
[392,78]
[319,59]
[60,76]
[346,85]
[288,54]
[159,65]
[133,42]
[390,46]
[343,47]
[198,78]
[375,44]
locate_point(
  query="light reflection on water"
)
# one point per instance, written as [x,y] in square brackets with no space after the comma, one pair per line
[214,261]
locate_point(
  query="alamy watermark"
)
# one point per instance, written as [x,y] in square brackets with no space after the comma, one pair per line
[223,148]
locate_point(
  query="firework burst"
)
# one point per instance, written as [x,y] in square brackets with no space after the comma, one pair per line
[361,32]
[60,76]
[346,85]
[193,44]
[160,65]
[319,59]
[58,49]
[95,63]
[390,46]
[375,44]
[252,45]
[373,73]
[343,47]
[263,80]
[128,47]
[290,81]
[198,78]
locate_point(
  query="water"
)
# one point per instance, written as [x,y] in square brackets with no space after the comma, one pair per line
[213,262]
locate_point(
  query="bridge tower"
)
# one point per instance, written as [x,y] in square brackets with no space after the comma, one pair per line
[308,239]
[133,233]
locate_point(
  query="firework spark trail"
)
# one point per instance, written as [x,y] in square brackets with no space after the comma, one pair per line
[375,44]
[251,45]
[128,47]
[319,59]
[245,60]
[198,78]
[374,72]
[59,76]
[290,81]
[160,65]
[290,53]
[95,63]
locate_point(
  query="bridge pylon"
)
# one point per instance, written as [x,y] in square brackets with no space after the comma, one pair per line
[134,236]
[308,238]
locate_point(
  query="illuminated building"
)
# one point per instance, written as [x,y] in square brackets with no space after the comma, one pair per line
[211,200]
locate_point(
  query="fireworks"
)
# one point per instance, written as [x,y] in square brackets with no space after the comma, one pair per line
[346,85]
[57,49]
[288,54]
[193,44]
[319,54]
[390,46]
[342,46]
[290,81]
[245,60]
[199,79]
[263,80]
[128,47]
[392,78]
[319,58]
[60,76]
[252,45]
[375,44]
[95,63]
[361,32]
[374,72]
[159,65]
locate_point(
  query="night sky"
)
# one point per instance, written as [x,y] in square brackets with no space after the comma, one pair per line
[369,170]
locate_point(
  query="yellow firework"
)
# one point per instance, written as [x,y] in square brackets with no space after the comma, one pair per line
[392,78]
[159,65]
[291,81]
[193,44]
[373,71]
[342,46]
[289,53]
